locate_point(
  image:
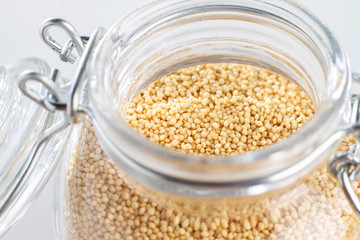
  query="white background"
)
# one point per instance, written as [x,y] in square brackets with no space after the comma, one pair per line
[19,38]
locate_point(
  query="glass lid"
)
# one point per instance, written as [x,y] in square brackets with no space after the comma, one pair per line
[24,167]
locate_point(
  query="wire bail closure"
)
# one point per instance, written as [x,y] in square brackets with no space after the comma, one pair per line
[65,52]
[54,99]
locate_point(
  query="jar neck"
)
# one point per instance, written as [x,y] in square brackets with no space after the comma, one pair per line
[297,46]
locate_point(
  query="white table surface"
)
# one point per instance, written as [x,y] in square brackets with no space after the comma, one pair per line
[19,22]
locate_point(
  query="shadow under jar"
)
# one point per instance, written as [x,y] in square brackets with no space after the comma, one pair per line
[119,185]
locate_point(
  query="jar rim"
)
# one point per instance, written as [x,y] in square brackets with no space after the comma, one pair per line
[112,130]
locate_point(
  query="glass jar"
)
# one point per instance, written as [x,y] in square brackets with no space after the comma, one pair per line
[115,184]
[118,185]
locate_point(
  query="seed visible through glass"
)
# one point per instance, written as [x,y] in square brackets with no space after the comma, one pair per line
[212,109]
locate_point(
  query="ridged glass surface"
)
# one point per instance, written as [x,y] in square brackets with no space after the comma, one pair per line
[22,126]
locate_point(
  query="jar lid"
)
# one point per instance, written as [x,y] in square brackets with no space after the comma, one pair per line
[24,168]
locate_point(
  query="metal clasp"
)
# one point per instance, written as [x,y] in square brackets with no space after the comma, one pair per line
[345,166]
[54,101]
[65,52]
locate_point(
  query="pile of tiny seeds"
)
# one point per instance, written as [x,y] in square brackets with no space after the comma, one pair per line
[103,204]
[219,109]
[213,109]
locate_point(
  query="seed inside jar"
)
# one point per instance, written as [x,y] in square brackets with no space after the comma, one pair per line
[219,109]
[212,109]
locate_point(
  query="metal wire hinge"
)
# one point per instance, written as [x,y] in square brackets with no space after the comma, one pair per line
[65,52]
[345,166]
[57,98]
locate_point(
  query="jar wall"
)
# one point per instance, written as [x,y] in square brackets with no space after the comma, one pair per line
[101,202]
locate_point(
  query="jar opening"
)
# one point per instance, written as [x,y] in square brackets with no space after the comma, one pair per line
[166,36]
